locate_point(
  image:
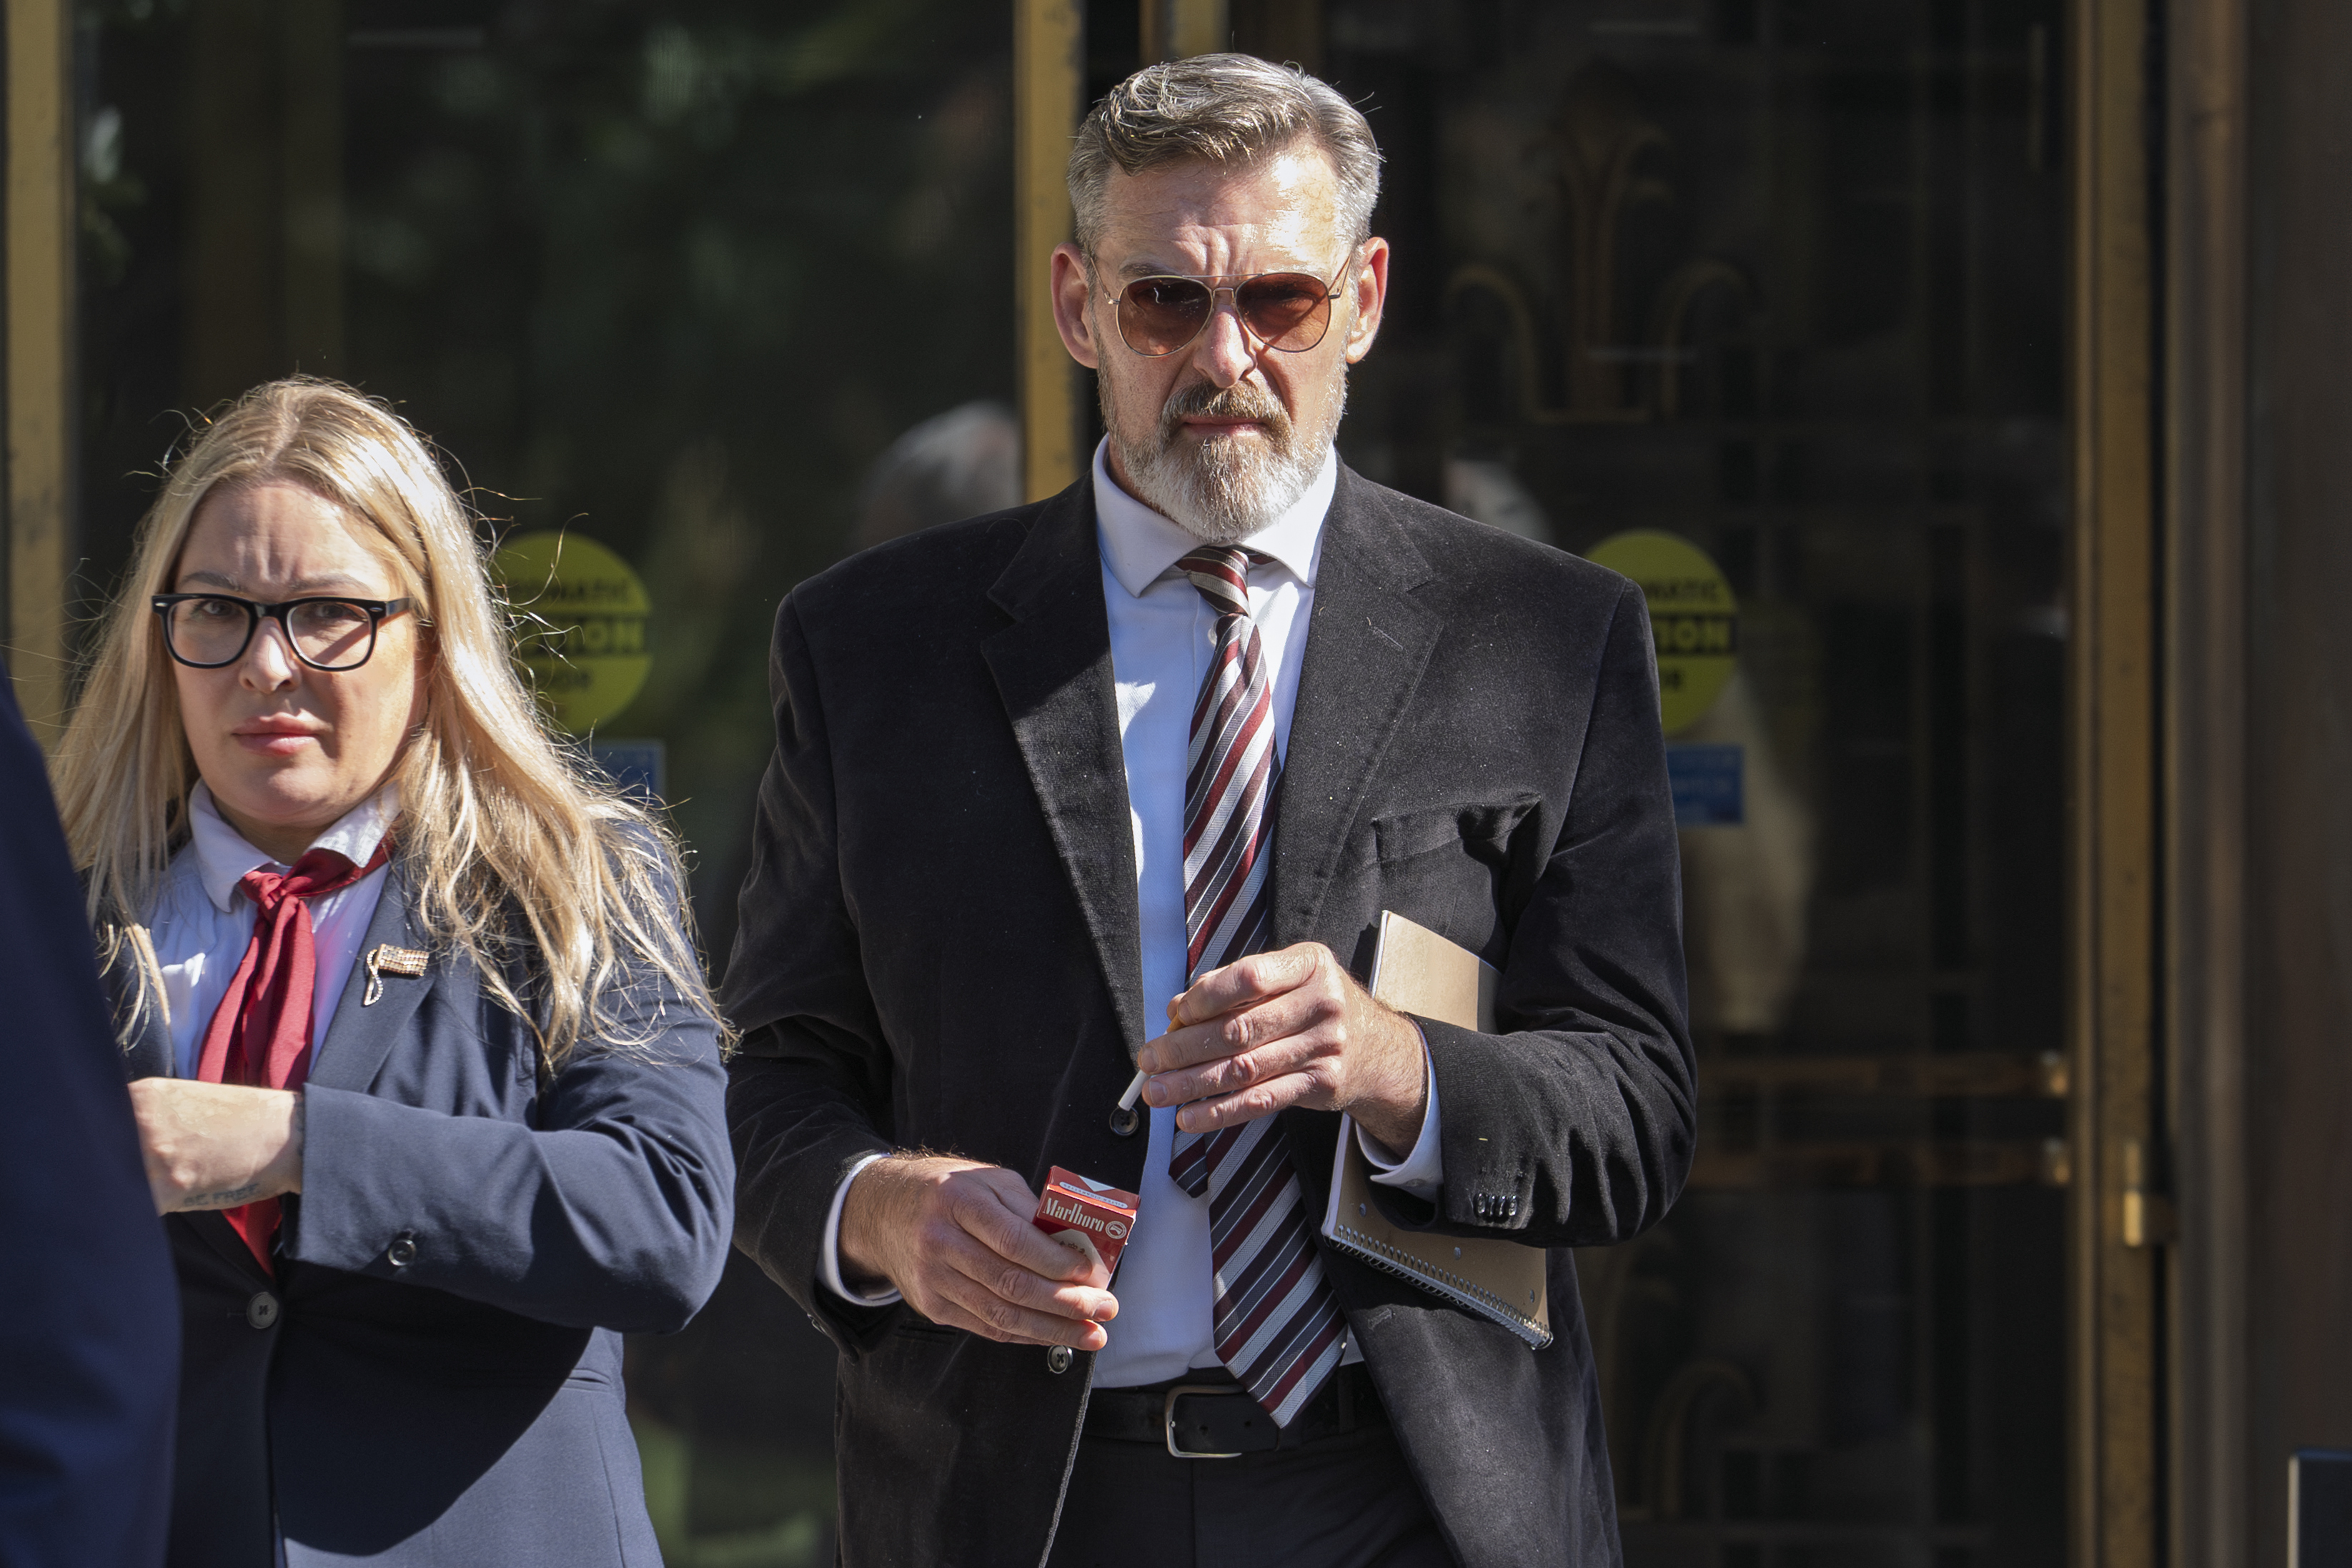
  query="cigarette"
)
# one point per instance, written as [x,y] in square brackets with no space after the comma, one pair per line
[1134,1092]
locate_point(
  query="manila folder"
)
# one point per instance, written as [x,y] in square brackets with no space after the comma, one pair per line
[1414,970]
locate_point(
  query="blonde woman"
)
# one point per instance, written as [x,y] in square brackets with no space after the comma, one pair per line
[426,1072]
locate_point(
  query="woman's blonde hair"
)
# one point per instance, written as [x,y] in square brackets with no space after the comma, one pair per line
[504,833]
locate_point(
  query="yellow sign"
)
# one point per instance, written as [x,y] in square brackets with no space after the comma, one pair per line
[1692,615]
[583,634]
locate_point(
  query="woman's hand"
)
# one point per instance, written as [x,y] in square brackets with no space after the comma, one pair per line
[217,1145]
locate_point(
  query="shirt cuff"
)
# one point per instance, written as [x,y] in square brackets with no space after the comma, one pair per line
[1423,1172]
[829,1265]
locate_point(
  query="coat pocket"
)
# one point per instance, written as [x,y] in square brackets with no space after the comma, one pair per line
[1481,829]
[1461,870]
[912,1325]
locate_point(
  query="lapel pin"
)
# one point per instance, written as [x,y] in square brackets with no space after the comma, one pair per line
[386,959]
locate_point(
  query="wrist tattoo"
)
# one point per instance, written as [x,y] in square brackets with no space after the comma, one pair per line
[227,1198]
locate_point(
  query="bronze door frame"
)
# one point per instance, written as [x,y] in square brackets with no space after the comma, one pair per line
[39,331]
[2204,680]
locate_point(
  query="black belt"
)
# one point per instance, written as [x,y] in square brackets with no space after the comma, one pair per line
[1207,1415]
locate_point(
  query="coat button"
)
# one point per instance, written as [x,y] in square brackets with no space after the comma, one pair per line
[1058,1360]
[402,1252]
[262,1310]
[1125,1120]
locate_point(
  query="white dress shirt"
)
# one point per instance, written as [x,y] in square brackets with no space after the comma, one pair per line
[201,922]
[1163,636]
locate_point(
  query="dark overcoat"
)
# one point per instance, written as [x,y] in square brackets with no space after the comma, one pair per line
[433,1377]
[938,947]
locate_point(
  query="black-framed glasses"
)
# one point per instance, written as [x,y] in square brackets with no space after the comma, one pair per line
[209,631]
[1161,315]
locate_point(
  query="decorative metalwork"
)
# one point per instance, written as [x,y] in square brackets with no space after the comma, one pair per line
[1597,140]
[1666,1451]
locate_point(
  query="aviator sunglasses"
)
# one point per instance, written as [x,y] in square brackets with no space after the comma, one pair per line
[1159,315]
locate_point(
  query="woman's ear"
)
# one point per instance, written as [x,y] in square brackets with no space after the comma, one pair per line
[427,666]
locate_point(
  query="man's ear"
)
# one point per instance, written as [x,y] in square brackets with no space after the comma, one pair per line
[1074,287]
[1368,284]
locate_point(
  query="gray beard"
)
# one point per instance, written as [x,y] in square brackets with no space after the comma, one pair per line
[1222,491]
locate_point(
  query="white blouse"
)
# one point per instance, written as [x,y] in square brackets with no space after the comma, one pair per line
[201,922]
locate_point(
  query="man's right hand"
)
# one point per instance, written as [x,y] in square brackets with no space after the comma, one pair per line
[955,1237]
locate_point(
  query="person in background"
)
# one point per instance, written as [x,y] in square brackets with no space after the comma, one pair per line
[425,1071]
[1124,780]
[952,466]
[89,1343]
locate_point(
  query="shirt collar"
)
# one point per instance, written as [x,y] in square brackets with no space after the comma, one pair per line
[223,856]
[1140,546]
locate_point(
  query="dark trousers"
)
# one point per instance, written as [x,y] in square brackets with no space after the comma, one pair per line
[1346,1502]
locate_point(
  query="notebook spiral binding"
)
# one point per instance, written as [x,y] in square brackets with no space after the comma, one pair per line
[1371,1249]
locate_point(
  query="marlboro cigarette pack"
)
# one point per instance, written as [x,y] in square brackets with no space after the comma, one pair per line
[1094,1218]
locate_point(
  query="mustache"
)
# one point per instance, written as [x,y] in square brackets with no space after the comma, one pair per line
[1239,401]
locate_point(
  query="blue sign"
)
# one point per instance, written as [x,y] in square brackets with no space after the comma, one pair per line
[1709,785]
[639,767]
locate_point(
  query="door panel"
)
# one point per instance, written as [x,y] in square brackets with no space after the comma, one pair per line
[1785,281]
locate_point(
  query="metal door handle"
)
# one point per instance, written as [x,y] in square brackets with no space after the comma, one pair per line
[2148,1216]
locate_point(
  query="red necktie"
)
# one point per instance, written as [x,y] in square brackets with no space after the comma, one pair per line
[1272,1313]
[260,1035]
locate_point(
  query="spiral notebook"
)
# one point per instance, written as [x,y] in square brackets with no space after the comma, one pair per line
[1416,971]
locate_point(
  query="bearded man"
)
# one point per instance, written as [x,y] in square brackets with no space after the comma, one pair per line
[1120,783]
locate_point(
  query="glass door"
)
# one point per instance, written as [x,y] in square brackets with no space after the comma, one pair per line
[715,286]
[1762,301]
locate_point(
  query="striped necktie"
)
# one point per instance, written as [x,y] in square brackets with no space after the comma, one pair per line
[1275,1324]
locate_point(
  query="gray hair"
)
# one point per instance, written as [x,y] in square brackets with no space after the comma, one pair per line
[1233,109]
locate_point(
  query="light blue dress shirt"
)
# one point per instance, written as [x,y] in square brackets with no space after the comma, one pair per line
[202,922]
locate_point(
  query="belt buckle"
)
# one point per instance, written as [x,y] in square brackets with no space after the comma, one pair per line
[1168,1416]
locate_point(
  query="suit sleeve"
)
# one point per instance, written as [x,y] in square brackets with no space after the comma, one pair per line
[810,1090]
[608,1210]
[1576,1127]
[89,1321]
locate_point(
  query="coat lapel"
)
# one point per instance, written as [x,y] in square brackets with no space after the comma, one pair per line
[1053,670]
[1368,643]
[212,1226]
[148,1054]
[360,1036]
[358,1039]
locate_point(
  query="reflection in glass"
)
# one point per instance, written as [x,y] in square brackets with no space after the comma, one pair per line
[642,271]
[1781,278]
[1778,278]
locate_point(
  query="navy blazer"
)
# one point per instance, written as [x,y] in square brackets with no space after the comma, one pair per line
[87,1354]
[434,1377]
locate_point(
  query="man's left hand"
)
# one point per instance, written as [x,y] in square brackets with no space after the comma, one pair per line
[1279,1029]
